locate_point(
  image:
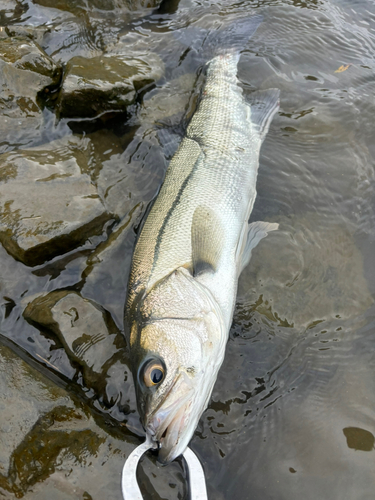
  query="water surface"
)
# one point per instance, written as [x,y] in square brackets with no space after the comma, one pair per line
[292,413]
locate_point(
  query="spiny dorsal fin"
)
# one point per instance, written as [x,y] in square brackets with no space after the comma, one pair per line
[263,104]
[256,232]
[207,239]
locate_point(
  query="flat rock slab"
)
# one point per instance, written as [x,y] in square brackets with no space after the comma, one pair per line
[87,332]
[105,83]
[35,33]
[90,338]
[50,444]
[48,205]
[26,74]
[21,403]
[105,5]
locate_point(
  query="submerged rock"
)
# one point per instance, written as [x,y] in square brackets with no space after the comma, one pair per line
[48,205]
[10,12]
[26,74]
[50,445]
[105,83]
[86,331]
[90,338]
[75,5]
[35,33]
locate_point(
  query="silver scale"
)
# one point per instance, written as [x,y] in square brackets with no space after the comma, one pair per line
[196,481]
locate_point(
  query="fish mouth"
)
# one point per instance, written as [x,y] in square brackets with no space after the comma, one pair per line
[169,425]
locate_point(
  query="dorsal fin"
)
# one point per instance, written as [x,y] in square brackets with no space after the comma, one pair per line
[207,240]
[263,105]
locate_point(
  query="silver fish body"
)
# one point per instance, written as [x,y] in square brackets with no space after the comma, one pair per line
[188,257]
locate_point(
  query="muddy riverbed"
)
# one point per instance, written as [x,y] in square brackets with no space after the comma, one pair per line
[86,87]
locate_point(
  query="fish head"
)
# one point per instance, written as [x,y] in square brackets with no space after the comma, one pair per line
[177,360]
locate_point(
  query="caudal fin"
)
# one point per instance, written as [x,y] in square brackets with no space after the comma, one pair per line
[230,38]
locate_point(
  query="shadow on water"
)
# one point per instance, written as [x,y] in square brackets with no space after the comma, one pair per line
[292,412]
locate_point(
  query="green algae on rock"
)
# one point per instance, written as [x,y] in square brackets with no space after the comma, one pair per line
[48,204]
[50,444]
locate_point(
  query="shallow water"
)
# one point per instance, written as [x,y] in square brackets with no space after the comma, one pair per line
[292,413]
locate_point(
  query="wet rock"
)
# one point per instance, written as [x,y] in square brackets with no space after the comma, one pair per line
[159,107]
[87,332]
[106,5]
[129,4]
[27,74]
[50,445]
[10,12]
[32,32]
[108,266]
[91,340]
[105,83]
[21,403]
[48,204]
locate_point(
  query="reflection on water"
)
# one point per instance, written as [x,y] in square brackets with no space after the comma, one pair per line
[292,413]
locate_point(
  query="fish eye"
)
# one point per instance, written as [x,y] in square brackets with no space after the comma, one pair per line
[153,374]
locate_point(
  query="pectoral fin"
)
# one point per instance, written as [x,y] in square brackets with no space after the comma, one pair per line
[207,239]
[256,232]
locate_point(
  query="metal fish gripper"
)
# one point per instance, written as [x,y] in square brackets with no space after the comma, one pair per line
[196,481]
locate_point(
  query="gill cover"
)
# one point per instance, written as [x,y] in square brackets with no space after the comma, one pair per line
[177,338]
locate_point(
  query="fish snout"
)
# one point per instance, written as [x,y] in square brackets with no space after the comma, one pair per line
[173,439]
[169,425]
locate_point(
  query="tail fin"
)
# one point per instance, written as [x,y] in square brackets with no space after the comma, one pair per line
[230,38]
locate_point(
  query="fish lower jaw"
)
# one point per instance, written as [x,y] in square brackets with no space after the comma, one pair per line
[171,436]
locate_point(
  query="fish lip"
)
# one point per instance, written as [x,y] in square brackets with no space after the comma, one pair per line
[166,424]
[173,445]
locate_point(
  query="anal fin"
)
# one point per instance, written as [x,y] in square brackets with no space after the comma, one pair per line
[170,138]
[207,239]
[256,232]
[263,106]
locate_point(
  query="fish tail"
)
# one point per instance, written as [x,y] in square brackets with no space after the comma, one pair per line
[233,38]
[227,39]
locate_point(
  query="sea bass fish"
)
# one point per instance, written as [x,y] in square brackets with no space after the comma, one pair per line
[193,246]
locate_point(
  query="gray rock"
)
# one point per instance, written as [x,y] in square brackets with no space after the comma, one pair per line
[27,74]
[48,205]
[86,331]
[91,340]
[75,5]
[21,403]
[10,11]
[105,83]
[50,445]
[32,32]
[108,266]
